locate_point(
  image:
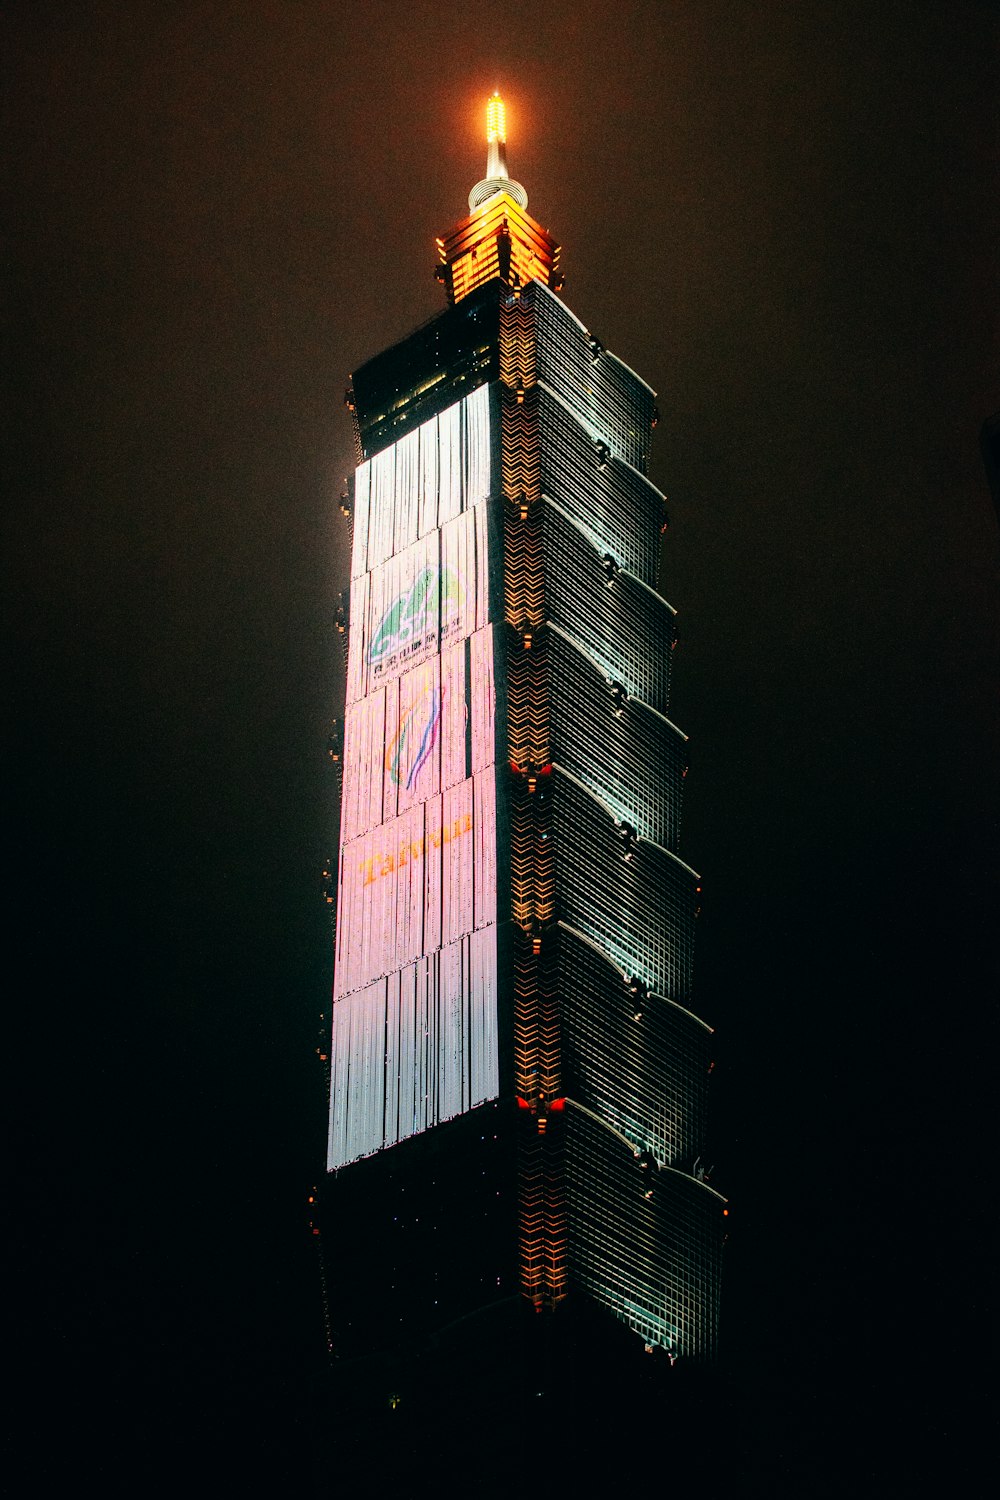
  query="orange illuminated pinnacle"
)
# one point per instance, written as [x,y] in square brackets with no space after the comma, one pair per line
[499,238]
[496,179]
[496,119]
[496,152]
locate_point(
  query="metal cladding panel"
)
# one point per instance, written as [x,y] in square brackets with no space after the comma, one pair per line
[604,393]
[633,899]
[620,508]
[610,1065]
[555,574]
[639,1062]
[415,978]
[633,758]
[644,1241]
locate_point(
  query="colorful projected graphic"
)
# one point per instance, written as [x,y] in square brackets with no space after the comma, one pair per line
[432,593]
[432,603]
[414,1024]
[407,751]
[393,755]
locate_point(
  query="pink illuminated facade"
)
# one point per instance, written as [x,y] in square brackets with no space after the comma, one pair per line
[415,982]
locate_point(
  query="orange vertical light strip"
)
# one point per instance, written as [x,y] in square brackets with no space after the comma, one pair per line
[537,1060]
[496,119]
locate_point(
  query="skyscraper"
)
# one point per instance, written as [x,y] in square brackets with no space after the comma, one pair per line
[518,1083]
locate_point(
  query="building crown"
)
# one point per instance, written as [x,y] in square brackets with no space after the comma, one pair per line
[499,239]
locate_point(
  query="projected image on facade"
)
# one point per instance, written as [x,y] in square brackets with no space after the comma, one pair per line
[415,968]
[416,617]
[410,747]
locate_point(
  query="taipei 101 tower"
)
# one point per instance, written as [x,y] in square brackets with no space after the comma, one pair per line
[518,1079]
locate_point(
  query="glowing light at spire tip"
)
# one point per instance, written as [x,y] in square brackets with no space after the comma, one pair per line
[496,119]
[497,179]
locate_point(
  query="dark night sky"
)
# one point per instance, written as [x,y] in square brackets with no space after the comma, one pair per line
[785,217]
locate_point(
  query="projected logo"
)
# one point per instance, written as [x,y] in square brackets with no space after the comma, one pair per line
[412,618]
[411,745]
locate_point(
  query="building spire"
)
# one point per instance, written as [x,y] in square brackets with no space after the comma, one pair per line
[499,238]
[496,179]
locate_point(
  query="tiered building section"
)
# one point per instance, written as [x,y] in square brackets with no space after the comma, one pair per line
[515,923]
[611,1065]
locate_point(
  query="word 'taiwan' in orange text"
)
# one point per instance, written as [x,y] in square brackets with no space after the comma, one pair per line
[411,850]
